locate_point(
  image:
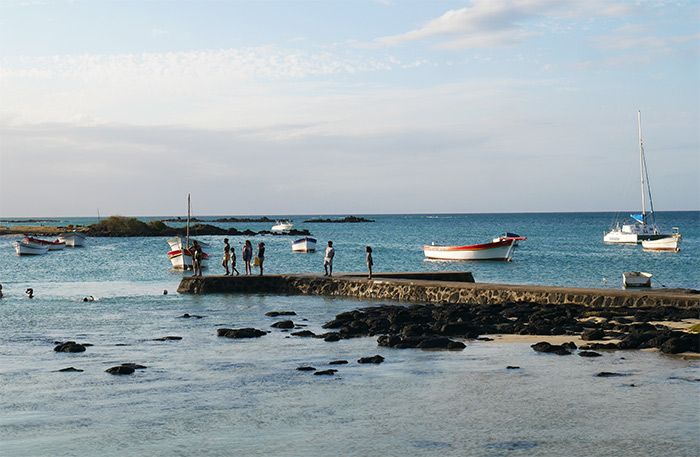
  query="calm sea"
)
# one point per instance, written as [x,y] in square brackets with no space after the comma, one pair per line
[204,395]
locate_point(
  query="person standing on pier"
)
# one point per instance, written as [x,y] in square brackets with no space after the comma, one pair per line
[196,251]
[328,259]
[370,262]
[227,256]
[261,256]
[247,255]
[233,262]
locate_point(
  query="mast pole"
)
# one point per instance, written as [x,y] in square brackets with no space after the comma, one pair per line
[641,164]
[187,242]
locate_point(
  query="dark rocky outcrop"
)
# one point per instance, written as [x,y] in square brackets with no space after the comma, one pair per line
[589,354]
[544,346]
[283,324]
[306,368]
[348,219]
[280,313]
[304,334]
[338,362]
[374,359]
[328,372]
[70,346]
[240,333]
[125,368]
[168,338]
[71,370]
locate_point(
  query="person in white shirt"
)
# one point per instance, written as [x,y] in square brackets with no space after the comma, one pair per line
[328,259]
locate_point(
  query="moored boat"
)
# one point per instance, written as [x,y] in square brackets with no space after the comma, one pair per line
[56,245]
[510,236]
[282,226]
[496,250]
[636,279]
[180,255]
[73,239]
[306,244]
[669,243]
[642,227]
[25,247]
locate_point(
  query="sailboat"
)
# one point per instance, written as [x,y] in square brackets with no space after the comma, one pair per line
[179,253]
[642,227]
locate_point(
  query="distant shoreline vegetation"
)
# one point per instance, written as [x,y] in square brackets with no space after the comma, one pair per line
[119,226]
[223,219]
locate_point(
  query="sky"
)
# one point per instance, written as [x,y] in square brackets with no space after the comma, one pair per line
[346,106]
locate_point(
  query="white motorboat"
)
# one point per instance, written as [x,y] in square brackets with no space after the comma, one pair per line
[636,279]
[53,245]
[642,227]
[282,226]
[669,243]
[25,247]
[306,244]
[73,239]
[496,250]
[179,253]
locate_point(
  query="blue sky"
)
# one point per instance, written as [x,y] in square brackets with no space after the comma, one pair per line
[346,107]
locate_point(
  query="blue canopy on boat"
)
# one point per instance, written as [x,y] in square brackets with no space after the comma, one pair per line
[639,217]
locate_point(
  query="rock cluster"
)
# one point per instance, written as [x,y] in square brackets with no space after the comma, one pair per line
[433,325]
[240,333]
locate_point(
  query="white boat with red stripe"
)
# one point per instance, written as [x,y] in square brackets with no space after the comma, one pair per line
[496,250]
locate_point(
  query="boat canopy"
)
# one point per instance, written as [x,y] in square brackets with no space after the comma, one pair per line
[641,218]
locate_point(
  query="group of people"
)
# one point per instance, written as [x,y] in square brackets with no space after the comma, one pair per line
[247,254]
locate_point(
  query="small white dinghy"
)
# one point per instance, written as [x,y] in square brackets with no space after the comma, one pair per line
[73,239]
[636,279]
[669,243]
[306,244]
[25,247]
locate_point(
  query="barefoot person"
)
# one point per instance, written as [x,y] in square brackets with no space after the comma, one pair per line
[247,255]
[328,259]
[196,251]
[233,262]
[261,256]
[227,256]
[370,262]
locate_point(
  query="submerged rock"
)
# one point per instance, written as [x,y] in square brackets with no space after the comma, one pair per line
[374,359]
[70,346]
[283,324]
[544,346]
[240,333]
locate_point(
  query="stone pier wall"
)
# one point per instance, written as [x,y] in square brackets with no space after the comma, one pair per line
[455,287]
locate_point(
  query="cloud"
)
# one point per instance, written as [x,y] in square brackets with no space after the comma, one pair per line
[499,23]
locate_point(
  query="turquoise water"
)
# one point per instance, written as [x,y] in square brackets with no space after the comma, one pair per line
[205,395]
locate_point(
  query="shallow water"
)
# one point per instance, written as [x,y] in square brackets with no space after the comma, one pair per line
[206,395]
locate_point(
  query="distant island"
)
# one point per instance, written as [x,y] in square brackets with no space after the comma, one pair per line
[119,226]
[224,219]
[349,219]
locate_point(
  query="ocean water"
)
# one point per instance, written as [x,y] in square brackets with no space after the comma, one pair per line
[205,395]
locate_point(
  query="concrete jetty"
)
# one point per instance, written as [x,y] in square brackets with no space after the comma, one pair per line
[434,287]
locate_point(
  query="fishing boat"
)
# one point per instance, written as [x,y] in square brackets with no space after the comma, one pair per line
[25,247]
[282,226]
[306,244]
[510,236]
[73,239]
[669,243]
[642,227]
[53,245]
[496,250]
[636,279]
[179,253]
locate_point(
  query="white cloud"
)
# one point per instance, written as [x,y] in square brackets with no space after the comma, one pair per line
[498,23]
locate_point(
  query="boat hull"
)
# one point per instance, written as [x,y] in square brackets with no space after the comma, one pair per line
[282,227]
[304,245]
[30,248]
[669,243]
[53,245]
[500,250]
[636,279]
[73,239]
[180,256]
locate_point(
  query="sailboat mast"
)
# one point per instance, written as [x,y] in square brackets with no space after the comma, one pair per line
[187,242]
[641,164]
